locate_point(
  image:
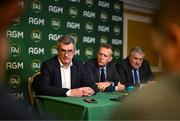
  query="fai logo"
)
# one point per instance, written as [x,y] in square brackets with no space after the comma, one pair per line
[54,50]
[73,12]
[89,52]
[36,36]
[14,81]
[117,30]
[89,3]
[36,65]
[36,6]
[103,39]
[103,16]
[116,54]
[15,50]
[89,27]
[16,20]
[55,23]
[74,36]
[117,6]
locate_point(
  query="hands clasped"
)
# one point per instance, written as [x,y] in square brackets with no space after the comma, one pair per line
[103,85]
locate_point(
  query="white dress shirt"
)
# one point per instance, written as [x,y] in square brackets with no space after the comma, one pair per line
[66,76]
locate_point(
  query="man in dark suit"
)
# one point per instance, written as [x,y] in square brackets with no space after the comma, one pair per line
[103,72]
[134,70]
[64,76]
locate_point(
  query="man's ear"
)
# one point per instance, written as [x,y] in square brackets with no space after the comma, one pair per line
[110,59]
[174,33]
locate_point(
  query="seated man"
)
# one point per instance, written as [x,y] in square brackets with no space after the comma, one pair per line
[134,70]
[62,75]
[103,72]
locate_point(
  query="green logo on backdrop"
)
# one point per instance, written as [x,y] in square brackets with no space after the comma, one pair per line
[89,52]
[14,81]
[36,35]
[74,36]
[15,50]
[103,39]
[55,23]
[116,53]
[36,65]
[103,16]
[117,6]
[117,30]
[89,3]
[73,12]
[17,20]
[54,50]
[89,27]
[36,6]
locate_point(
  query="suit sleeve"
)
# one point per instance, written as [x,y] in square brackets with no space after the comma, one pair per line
[150,76]
[115,76]
[121,72]
[45,82]
[88,77]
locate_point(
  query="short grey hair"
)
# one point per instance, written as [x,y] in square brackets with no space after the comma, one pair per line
[136,50]
[66,39]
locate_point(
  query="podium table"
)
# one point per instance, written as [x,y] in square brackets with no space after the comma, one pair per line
[75,108]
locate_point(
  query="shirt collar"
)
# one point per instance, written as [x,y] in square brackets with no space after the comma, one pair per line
[102,68]
[61,65]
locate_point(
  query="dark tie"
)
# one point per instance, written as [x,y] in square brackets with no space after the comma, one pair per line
[136,77]
[103,78]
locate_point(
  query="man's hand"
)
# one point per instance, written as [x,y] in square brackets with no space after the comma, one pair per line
[87,91]
[120,87]
[77,92]
[103,85]
[83,91]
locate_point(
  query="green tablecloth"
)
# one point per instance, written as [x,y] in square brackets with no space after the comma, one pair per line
[74,108]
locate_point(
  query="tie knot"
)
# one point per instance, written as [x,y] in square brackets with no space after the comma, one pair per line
[102,69]
[135,70]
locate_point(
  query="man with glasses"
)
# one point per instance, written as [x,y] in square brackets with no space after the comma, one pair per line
[64,76]
[103,72]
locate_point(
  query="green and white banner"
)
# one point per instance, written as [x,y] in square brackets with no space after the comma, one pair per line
[33,36]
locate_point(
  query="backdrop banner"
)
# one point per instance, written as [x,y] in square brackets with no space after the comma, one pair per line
[33,36]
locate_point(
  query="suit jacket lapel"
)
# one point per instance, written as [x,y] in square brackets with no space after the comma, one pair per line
[96,71]
[140,73]
[58,74]
[108,72]
[130,72]
[73,75]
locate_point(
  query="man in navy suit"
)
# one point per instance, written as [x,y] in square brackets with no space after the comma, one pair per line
[64,76]
[135,70]
[103,72]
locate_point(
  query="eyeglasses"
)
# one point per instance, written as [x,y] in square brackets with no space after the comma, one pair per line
[68,52]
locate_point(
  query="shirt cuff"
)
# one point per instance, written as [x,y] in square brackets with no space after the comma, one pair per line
[68,93]
[116,88]
[112,83]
